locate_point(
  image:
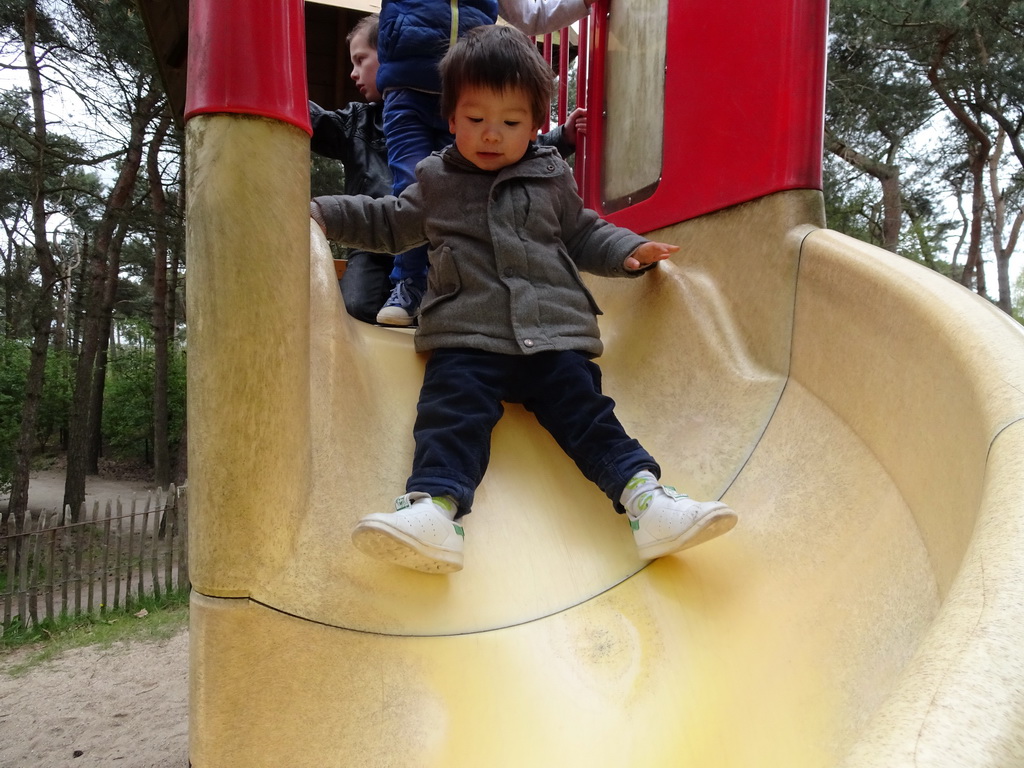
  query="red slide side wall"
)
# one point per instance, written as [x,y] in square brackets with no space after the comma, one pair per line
[744,115]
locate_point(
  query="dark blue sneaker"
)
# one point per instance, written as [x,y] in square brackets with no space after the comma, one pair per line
[401,306]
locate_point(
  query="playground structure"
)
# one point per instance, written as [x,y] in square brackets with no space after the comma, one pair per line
[864,416]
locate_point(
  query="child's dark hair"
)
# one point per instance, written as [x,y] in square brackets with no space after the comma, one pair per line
[499,58]
[369,25]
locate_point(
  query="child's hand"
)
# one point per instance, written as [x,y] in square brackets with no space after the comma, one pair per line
[318,216]
[648,253]
[575,125]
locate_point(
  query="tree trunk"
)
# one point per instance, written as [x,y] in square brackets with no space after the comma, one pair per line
[161,417]
[106,320]
[180,470]
[78,419]
[120,197]
[887,175]
[1003,244]
[974,267]
[17,269]
[979,147]
[94,440]
[892,208]
[25,448]
[43,311]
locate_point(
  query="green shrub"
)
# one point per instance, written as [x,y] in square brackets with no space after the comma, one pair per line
[128,402]
[14,357]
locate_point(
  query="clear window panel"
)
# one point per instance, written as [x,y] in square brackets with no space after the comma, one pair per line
[635,101]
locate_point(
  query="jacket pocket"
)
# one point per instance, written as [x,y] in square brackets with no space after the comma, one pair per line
[574,272]
[443,280]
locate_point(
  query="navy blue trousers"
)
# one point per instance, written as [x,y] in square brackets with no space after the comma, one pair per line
[414,128]
[461,401]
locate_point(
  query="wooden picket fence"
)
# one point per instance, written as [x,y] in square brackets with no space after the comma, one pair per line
[109,558]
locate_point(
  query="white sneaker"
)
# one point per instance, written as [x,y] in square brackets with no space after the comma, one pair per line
[666,521]
[419,534]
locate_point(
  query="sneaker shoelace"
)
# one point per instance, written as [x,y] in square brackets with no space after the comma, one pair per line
[404,295]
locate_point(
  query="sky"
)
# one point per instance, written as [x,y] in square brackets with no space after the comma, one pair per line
[68,108]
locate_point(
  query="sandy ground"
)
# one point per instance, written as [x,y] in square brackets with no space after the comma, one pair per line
[126,705]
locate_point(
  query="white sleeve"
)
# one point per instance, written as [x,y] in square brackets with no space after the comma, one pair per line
[539,17]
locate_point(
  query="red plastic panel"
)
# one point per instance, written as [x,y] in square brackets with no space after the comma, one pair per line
[745,94]
[248,57]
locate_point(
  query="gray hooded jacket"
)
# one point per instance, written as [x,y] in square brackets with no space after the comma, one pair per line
[505,249]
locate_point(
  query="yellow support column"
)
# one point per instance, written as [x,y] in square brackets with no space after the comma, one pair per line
[247,229]
[248,310]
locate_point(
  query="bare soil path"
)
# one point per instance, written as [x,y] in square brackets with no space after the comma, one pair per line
[46,489]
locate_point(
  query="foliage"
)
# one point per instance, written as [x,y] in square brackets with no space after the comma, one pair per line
[875,97]
[14,360]
[79,226]
[928,96]
[13,371]
[326,176]
[53,409]
[851,201]
[128,411]
[128,397]
[144,619]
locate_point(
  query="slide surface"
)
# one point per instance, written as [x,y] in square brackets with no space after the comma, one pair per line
[864,417]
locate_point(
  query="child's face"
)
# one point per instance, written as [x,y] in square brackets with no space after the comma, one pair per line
[364,66]
[492,128]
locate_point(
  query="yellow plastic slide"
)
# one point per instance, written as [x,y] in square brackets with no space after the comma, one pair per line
[863,416]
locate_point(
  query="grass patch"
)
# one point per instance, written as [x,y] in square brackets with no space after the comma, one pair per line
[146,619]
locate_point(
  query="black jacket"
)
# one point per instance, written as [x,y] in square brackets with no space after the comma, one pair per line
[355,136]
